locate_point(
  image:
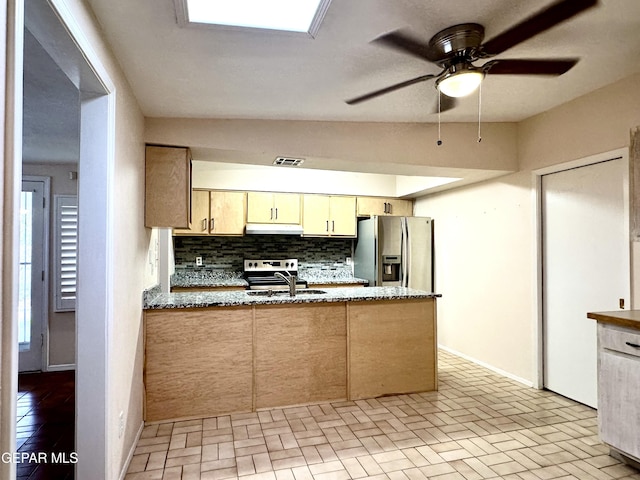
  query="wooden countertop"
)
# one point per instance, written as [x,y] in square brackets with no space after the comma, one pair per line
[622,318]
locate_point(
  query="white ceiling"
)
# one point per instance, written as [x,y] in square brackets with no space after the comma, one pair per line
[223,72]
[51,109]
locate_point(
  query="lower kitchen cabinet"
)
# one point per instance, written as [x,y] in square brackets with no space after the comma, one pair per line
[202,362]
[619,388]
[198,363]
[301,354]
[392,348]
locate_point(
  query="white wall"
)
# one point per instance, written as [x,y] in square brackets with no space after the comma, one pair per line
[62,325]
[484,240]
[486,256]
[131,241]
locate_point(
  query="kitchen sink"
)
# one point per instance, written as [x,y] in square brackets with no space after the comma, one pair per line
[284,293]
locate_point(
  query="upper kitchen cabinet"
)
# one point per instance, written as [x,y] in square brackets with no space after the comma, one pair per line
[199,215]
[326,215]
[167,187]
[267,207]
[216,213]
[368,206]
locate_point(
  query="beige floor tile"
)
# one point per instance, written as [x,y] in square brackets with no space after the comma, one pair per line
[477,426]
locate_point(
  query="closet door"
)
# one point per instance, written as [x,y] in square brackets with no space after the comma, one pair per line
[585,269]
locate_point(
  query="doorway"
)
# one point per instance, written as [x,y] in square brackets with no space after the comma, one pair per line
[32,273]
[56,27]
[585,268]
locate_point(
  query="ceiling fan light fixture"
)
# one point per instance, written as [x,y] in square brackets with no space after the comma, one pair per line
[460,83]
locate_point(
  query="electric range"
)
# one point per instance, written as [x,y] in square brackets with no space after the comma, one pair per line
[261,274]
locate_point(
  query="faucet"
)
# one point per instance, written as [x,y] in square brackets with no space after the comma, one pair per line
[291,281]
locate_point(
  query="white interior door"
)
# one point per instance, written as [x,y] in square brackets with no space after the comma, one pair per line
[31,288]
[585,269]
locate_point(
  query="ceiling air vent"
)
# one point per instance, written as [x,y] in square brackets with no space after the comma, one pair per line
[288,161]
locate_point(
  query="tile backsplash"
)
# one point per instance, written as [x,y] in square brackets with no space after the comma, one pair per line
[229,252]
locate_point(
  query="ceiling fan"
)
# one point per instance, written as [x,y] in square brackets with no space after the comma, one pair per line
[456,48]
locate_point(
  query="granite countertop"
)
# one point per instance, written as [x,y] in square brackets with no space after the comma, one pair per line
[622,318]
[242,298]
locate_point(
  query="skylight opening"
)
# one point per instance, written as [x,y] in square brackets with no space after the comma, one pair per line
[288,15]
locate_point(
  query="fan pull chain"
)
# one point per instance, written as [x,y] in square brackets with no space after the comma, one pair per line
[479,111]
[439,108]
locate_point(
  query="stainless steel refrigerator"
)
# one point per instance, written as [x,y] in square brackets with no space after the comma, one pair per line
[395,251]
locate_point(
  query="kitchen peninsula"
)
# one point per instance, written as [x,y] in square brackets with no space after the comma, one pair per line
[213,353]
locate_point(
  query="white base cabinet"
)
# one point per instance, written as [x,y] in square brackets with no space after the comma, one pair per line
[619,388]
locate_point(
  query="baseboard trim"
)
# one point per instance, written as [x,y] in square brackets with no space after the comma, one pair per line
[62,367]
[125,467]
[487,366]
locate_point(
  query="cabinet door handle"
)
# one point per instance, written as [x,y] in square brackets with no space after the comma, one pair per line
[389,208]
[204,224]
[213,224]
[634,345]
[271,213]
[333,225]
[385,207]
[327,225]
[276,213]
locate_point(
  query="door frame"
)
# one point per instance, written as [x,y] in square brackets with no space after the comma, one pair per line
[538,324]
[44,320]
[67,43]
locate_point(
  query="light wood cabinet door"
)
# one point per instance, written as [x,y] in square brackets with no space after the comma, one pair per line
[286,208]
[167,187]
[325,215]
[392,348]
[199,215]
[198,363]
[268,207]
[368,206]
[403,208]
[260,207]
[227,213]
[300,354]
[343,216]
[315,215]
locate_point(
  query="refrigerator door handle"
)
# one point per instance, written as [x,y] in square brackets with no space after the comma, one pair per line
[405,252]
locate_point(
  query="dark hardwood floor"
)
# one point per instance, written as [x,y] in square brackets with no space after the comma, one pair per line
[45,428]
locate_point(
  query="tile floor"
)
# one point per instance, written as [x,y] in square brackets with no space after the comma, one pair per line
[479,425]
[45,422]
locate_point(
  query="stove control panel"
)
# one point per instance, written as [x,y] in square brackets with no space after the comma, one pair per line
[290,264]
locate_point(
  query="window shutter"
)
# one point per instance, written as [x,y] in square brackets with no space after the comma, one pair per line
[66,248]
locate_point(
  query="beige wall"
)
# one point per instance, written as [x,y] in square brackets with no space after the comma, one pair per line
[486,257]
[594,123]
[373,144]
[62,325]
[484,240]
[131,243]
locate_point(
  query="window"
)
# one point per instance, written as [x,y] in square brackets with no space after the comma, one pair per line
[289,15]
[66,248]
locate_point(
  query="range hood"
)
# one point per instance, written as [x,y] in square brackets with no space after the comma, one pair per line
[272,229]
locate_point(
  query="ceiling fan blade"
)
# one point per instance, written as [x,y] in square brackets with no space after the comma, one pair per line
[538,23]
[529,67]
[406,44]
[389,89]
